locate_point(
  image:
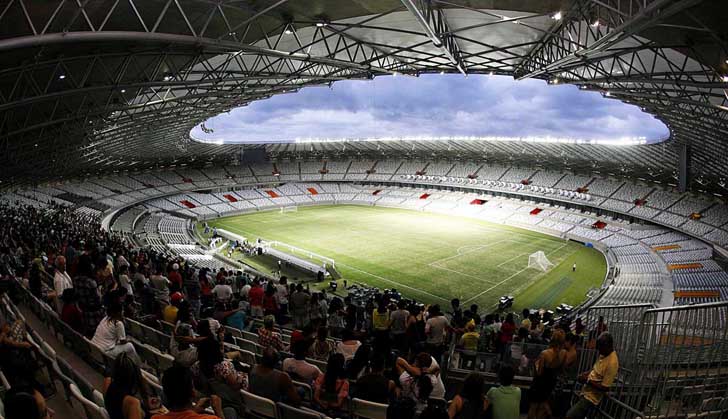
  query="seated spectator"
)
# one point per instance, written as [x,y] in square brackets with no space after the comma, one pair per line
[233,318]
[322,347]
[297,367]
[268,337]
[357,365]
[25,402]
[71,313]
[216,375]
[331,389]
[17,359]
[470,403]
[348,345]
[266,381]
[421,380]
[184,338]
[374,386]
[504,400]
[110,335]
[124,390]
[179,394]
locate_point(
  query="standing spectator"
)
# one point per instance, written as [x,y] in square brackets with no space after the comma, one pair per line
[175,279]
[270,303]
[222,292]
[415,329]
[471,402]
[601,326]
[548,367]
[255,297]
[331,389]
[398,325]
[110,335]
[282,295]
[268,337]
[71,313]
[299,302]
[160,284]
[192,289]
[436,330]
[179,394]
[89,299]
[124,391]
[380,326]
[507,329]
[579,328]
[597,381]
[61,281]
[505,400]
[124,280]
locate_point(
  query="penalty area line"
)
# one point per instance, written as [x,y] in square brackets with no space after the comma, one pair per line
[393,282]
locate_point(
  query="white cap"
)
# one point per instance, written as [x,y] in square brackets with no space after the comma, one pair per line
[175,266]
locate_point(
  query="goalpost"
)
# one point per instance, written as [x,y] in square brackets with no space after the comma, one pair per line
[539,260]
[289,209]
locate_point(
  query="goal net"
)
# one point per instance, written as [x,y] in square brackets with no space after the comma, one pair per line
[539,260]
[289,209]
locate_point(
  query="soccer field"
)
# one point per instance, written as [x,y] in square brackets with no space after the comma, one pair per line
[432,257]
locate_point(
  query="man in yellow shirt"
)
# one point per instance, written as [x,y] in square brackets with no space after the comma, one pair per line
[597,381]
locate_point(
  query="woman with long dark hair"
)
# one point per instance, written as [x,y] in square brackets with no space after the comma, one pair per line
[332,388]
[125,390]
[470,403]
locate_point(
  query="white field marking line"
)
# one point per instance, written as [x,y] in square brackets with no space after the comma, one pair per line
[503,281]
[393,282]
[462,273]
[522,254]
[458,253]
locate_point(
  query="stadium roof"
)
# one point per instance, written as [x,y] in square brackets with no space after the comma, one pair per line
[102,85]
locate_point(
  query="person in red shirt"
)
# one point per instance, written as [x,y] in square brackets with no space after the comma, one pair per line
[508,328]
[255,297]
[71,314]
[175,278]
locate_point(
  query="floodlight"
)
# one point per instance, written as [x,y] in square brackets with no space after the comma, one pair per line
[595,24]
[288,31]
[62,76]
[556,16]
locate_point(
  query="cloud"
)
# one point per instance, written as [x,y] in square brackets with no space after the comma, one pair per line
[434,105]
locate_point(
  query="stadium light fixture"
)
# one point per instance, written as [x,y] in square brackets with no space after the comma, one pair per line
[167,78]
[320,24]
[595,24]
[288,31]
[62,76]
[556,16]
[123,90]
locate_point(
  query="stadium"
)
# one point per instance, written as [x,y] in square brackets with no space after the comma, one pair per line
[156,263]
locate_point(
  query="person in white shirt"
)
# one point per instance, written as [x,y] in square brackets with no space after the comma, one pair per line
[61,281]
[411,377]
[282,294]
[110,334]
[223,292]
[298,368]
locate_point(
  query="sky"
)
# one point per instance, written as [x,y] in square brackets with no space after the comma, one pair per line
[433,106]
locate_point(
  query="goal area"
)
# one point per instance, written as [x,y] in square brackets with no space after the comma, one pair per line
[539,261]
[289,209]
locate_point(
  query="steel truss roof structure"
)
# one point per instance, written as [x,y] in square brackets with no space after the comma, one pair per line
[102,85]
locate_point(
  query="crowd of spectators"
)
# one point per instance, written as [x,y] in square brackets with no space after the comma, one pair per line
[387,349]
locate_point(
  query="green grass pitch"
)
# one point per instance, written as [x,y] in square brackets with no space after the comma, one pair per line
[431,257]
